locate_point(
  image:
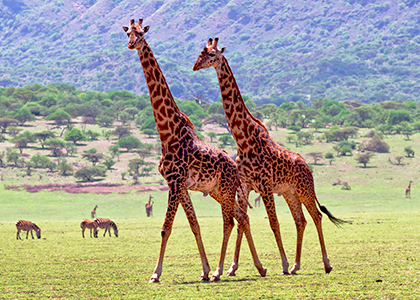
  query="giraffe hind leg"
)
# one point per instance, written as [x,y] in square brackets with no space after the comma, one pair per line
[244,227]
[243,194]
[310,204]
[228,225]
[295,207]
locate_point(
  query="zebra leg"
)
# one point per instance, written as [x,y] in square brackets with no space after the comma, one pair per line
[32,234]
[83,232]
[18,235]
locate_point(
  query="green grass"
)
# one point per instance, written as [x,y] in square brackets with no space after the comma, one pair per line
[376,257]
[382,244]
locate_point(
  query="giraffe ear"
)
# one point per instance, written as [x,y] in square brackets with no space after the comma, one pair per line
[146,28]
[125,28]
[223,49]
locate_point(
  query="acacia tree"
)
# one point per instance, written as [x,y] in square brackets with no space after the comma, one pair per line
[364,158]
[64,168]
[74,135]
[56,145]
[212,135]
[316,156]
[129,142]
[24,115]
[121,131]
[43,135]
[88,173]
[59,116]
[226,139]
[92,155]
[6,122]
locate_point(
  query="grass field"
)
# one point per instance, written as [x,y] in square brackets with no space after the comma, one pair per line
[376,257]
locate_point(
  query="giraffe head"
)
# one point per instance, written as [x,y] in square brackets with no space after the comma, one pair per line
[136,34]
[210,56]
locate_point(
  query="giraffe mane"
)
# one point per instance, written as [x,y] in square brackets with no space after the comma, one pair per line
[258,121]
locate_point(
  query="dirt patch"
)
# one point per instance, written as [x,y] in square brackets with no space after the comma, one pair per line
[96,188]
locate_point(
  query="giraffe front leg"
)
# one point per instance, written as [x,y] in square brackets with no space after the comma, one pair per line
[173,203]
[195,228]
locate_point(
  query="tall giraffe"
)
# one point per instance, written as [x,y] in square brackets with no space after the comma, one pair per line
[408,190]
[264,166]
[187,163]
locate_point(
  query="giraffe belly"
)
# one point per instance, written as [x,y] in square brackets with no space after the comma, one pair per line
[199,181]
[283,187]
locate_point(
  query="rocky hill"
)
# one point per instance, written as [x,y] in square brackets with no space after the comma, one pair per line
[279,50]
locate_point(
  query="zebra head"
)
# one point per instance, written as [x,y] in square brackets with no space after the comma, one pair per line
[114,226]
[37,231]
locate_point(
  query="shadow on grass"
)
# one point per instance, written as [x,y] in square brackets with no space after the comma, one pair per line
[92,180]
[223,280]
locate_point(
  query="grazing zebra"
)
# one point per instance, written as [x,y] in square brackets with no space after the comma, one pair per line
[106,224]
[93,213]
[89,225]
[27,226]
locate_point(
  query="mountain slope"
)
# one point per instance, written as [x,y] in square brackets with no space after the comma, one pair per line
[279,50]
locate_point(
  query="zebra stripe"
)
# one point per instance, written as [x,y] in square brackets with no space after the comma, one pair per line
[89,225]
[106,224]
[27,226]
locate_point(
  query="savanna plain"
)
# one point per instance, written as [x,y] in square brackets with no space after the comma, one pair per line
[376,256]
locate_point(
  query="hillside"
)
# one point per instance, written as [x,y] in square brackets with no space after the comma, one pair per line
[279,50]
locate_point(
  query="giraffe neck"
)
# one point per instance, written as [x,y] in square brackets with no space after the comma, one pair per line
[168,117]
[243,125]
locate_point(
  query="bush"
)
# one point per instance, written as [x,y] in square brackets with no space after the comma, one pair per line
[129,142]
[377,145]
[88,173]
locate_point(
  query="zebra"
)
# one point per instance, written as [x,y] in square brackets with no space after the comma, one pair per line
[106,224]
[27,226]
[89,225]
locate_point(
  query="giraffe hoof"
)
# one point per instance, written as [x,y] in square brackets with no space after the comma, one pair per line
[215,278]
[285,273]
[328,269]
[231,273]
[204,278]
[153,279]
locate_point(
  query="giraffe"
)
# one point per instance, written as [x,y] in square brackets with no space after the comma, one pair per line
[408,190]
[187,163]
[93,212]
[149,207]
[257,201]
[264,166]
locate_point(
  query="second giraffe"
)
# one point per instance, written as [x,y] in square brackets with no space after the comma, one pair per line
[265,166]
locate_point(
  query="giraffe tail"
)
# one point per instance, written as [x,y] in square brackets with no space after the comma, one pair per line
[336,221]
[243,193]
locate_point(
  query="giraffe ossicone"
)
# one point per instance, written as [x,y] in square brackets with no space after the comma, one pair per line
[189,163]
